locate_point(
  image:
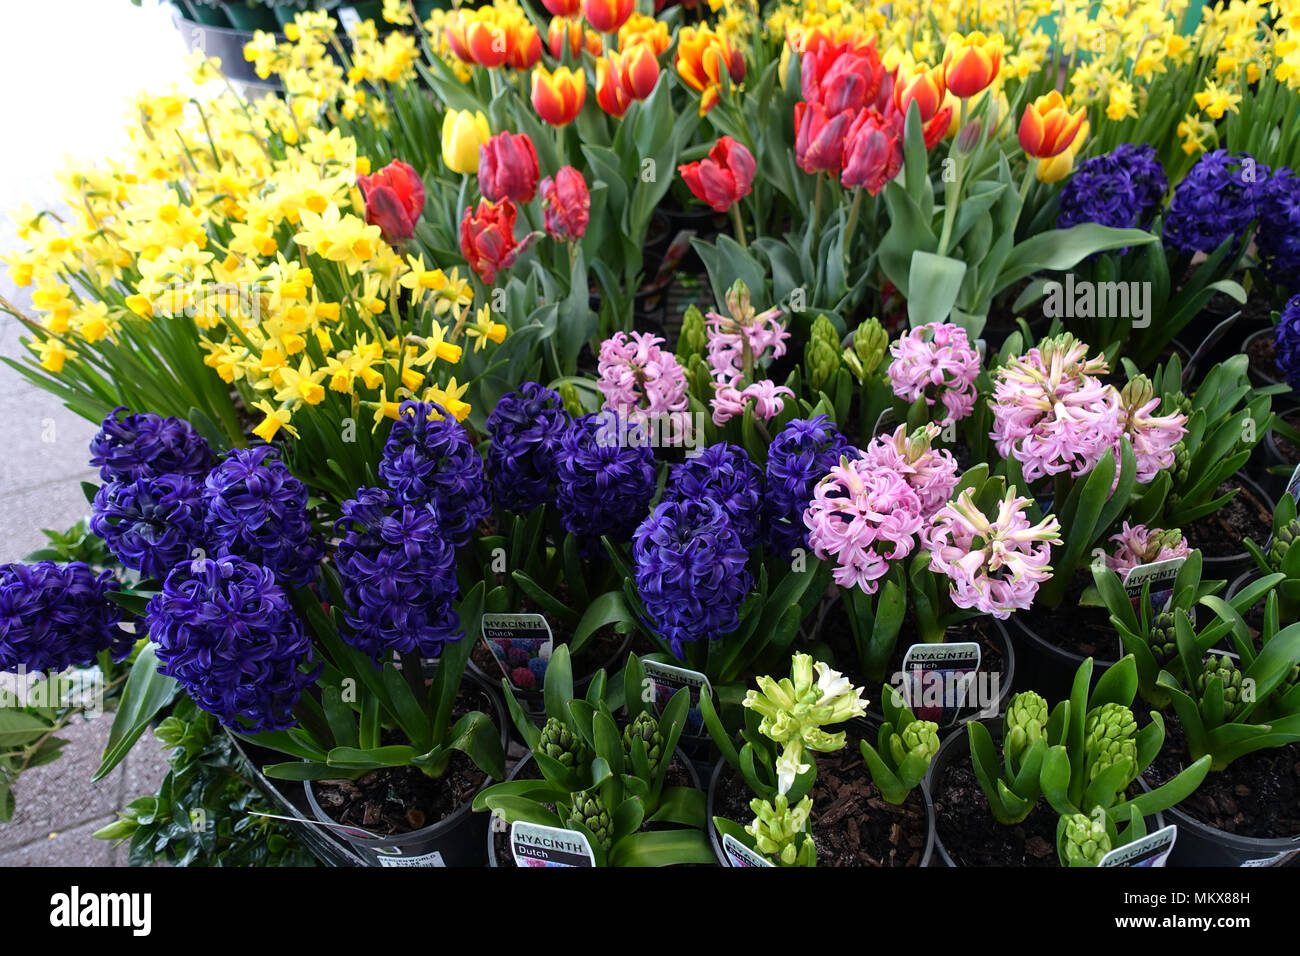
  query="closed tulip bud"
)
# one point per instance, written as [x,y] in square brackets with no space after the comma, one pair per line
[463,133]
[873,153]
[638,71]
[394,200]
[924,87]
[1086,840]
[563,8]
[507,168]
[971,63]
[1109,737]
[454,31]
[525,46]
[606,16]
[558,96]
[724,177]
[819,138]
[869,343]
[566,205]
[610,94]
[488,41]
[1058,167]
[1047,127]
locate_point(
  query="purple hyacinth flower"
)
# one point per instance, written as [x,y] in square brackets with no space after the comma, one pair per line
[56,616]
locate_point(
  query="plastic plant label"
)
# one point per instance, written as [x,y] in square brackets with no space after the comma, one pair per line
[1161,574]
[349,19]
[664,680]
[386,858]
[1151,850]
[521,645]
[534,844]
[741,855]
[1293,485]
[940,679]
[1276,860]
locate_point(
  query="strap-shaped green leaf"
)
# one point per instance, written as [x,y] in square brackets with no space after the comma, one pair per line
[146,693]
[476,736]
[663,848]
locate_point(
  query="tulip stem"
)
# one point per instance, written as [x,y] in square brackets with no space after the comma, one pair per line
[740,225]
[817,204]
[853,220]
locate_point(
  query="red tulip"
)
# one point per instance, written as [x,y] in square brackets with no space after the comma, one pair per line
[819,138]
[842,77]
[873,152]
[725,177]
[606,16]
[563,8]
[487,238]
[394,200]
[507,168]
[566,204]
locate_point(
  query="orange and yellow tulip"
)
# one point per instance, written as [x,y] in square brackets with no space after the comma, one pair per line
[606,16]
[610,95]
[971,62]
[558,96]
[638,71]
[703,59]
[1047,127]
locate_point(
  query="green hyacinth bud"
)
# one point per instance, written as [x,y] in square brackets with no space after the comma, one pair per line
[822,355]
[569,395]
[1163,638]
[591,812]
[870,342]
[1282,541]
[1137,392]
[1086,841]
[1180,403]
[1025,723]
[646,728]
[919,737]
[561,744]
[692,340]
[1110,733]
[1182,463]
[776,829]
[1226,670]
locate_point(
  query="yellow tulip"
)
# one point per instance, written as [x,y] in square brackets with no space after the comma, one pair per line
[463,133]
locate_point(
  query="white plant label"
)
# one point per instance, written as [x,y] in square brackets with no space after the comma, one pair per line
[1152,850]
[534,844]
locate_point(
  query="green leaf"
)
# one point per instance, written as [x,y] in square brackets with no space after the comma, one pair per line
[933,282]
[476,736]
[145,694]
[663,848]
[609,608]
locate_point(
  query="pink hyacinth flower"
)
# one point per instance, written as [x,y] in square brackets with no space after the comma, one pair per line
[994,566]
[1153,436]
[937,362]
[865,517]
[1139,544]
[931,473]
[730,335]
[638,379]
[766,396]
[1051,413]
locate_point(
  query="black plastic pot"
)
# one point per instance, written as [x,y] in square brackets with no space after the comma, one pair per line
[1200,844]
[957,745]
[927,857]
[227,45]
[456,840]
[1228,566]
[1258,378]
[290,799]
[518,768]
[1043,667]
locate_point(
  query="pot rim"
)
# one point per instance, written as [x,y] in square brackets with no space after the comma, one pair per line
[449,822]
[679,754]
